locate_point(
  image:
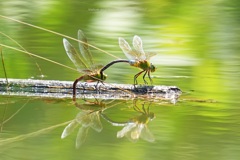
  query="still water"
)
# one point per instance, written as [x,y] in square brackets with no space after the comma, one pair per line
[197,46]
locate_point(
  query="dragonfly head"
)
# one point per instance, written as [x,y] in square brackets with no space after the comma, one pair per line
[152,68]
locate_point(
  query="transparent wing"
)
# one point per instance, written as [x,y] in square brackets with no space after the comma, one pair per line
[129,53]
[126,130]
[97,67]
[150,54]
[84,118]
[69,129]
[146,134]
[74,56]
[81,136]
[84,48]
[136,132]
[138,46]
[96,123]
[133,134]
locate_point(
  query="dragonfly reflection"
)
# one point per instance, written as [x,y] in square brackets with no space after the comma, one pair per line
[88,117]
[136,127]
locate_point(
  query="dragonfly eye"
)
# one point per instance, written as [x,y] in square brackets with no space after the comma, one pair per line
[153,68]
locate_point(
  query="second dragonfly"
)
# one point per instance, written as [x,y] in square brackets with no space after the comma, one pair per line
[137,58]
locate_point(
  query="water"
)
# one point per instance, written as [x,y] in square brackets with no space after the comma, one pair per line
[197,45]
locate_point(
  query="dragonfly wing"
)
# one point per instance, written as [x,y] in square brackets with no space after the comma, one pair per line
[96,123]
[74,56]
[126,130]
[81,136]
[146,134]
[84,48]
[69,129]
[129,53]
[150,54]
[97,67]
[138,46]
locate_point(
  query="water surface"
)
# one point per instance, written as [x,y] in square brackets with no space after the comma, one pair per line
[197,50]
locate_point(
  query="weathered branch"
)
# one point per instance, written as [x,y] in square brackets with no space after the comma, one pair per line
[61,89]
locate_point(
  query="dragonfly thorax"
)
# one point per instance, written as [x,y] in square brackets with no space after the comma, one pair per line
[144,65]
[98,76]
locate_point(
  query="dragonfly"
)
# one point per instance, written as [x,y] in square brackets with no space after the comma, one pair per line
[136,57]
[83,62]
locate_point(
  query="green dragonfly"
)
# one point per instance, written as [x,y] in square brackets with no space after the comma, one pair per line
[137,58]
[83,62]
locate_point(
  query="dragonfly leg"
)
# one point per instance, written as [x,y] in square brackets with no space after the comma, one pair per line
[98,86]
[144,77]
[135,78]
[84,86]
[135,107]
[149,77]
[148,109]
[143,108]
[101,82]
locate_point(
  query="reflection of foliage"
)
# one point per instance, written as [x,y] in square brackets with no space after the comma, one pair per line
[87,119]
